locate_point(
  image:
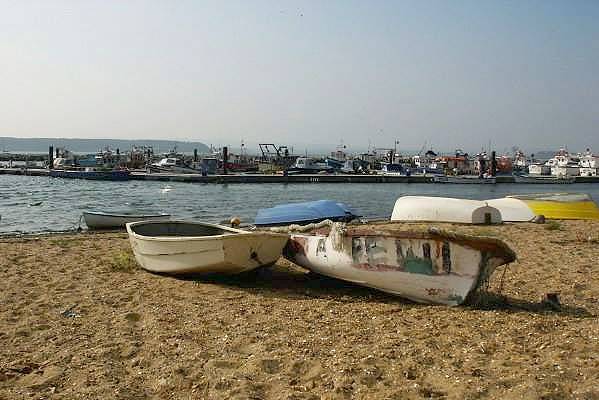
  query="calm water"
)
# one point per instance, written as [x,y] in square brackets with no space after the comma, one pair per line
[63,200]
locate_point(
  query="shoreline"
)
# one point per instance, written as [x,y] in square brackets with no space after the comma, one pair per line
[80,319]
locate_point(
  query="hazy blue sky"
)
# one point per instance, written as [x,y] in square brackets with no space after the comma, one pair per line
[453,73]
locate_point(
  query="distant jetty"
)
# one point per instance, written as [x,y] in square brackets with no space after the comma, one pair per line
[279,178]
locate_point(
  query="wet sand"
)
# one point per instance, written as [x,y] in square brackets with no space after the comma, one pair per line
[79,319]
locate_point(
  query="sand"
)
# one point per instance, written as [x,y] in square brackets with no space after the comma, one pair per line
[79,319]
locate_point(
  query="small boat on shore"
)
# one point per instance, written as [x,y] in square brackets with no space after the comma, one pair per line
[464,179]
[444,209]
[560,205]
[512,210]
[177,247]
[423,265]
[304,213]
[106,220]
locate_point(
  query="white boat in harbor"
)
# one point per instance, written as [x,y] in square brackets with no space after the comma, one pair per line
[445,209]
[543,179]
[426,266]
[173,165]
[177,247]
[105,220]
[464,179]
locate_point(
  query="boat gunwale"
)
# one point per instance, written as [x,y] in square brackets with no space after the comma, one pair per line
[105,214]
[482,243]
[181,238]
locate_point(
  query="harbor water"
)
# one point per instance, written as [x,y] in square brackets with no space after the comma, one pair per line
[40,204]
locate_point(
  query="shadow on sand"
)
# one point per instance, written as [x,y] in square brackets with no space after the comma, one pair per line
[296,283]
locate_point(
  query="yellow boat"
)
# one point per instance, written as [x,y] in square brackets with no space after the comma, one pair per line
[561,205]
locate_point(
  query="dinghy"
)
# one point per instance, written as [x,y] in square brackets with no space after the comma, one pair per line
[177,247]
[444,209]
[426,266]
[304,213]
[105,220]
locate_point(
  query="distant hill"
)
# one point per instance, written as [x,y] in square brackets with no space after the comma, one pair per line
[40,145]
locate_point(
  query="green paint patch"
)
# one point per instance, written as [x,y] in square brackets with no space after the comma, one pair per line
[418,265]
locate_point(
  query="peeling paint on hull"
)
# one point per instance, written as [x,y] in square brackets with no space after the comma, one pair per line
[427,267]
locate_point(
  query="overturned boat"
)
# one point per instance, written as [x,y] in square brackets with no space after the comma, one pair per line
[110,220]
[423,265]
[444,209]
[560,205]
[177,247]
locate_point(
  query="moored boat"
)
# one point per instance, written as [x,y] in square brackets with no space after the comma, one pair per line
[543,179]
[90,173]
[177,247]
[106,220]
[424,265]
[464,179]
[444,209]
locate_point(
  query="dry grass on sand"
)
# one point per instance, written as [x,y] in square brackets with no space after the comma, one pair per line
[79,319]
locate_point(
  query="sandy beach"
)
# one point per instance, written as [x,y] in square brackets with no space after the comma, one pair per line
[80,320]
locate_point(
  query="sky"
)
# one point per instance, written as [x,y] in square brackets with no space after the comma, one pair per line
[425,74]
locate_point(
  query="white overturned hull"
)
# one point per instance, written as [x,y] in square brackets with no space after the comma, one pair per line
[512,210]
[199,248]
[424,266]
[100,220]
[445,209]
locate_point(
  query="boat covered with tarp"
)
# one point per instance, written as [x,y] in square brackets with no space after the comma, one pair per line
[304,213]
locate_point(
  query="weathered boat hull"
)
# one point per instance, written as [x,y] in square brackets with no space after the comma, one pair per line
[198,248]
[427,267]
[101,220]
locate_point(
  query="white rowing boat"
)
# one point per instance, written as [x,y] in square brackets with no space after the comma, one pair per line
[105,220]
[426,266]
[444,209]
[177,247]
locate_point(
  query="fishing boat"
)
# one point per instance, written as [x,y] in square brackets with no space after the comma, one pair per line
[544,179]
[464,179]
[307,165]
[561,205]
[106,220]
[92,174]
[304,213]
[172,165]
[423,265]
[444,209]
[177,247]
